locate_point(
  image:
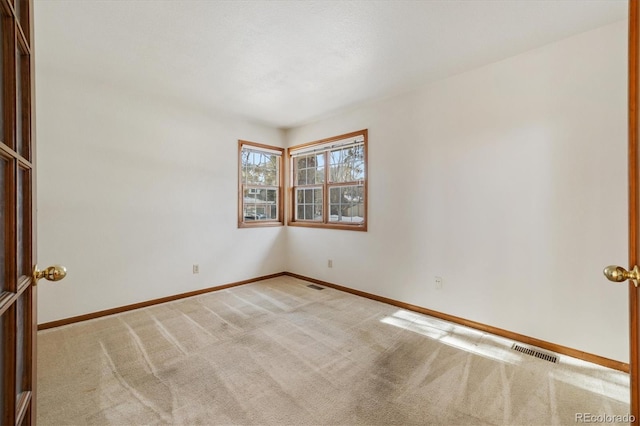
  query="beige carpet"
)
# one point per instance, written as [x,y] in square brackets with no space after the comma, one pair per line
[279,353]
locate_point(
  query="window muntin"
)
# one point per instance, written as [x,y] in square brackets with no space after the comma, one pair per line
[260,204]
[309,204]
[329,183]
[260,201]
[309,169]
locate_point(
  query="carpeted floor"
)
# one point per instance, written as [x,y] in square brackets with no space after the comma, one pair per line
[279,353]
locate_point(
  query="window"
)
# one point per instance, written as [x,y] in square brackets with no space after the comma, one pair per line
[329,183]
[260,187]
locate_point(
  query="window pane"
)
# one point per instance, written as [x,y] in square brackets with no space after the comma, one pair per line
[302,163]
[2,79]
[347,204]
[4,212]
[22,107]
[358,163]
[22,342]
[311,162]
[260,168]
[302,177]
[272,195]
[317,211]
[309,204]
[318,170]
[19,143]
[347,164]
[244,158]
[260,204]
[336,161]
[309,169]
[22,11]
[19,117]
[23,223]
[334,196]
[18,6]
[20,223]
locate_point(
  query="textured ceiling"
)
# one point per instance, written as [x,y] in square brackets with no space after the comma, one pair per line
[285,63]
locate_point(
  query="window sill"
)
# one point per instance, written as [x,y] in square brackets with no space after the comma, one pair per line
[359,227]
[259,224]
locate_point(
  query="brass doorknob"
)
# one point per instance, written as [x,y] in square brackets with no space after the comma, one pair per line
[618,274]
[52,273]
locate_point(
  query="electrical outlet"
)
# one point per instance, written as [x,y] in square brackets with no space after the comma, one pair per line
[330,263]
[438,281]
[196,269]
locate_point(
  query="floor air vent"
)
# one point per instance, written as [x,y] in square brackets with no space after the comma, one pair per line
[536,353]
[315,287]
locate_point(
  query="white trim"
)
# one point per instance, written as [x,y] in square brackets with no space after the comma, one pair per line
[246,147]
[358,140]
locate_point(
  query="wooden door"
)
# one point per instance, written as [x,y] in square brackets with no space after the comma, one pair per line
[17,245]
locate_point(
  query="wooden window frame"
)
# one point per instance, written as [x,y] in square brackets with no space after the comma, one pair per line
[242,223]
[327,185]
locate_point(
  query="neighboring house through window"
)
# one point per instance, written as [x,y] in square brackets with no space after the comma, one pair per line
[329,183]
[260,185]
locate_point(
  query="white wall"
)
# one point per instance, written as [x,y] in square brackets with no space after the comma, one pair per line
[509,182]
[133,190]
